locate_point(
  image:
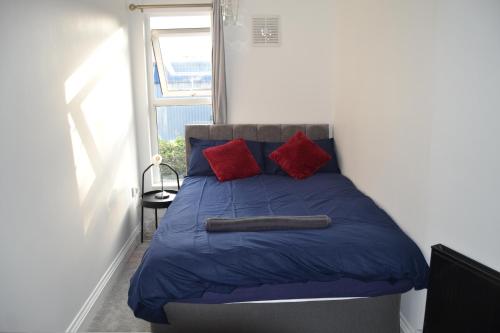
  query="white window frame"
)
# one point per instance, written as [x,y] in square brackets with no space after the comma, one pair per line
[155,102]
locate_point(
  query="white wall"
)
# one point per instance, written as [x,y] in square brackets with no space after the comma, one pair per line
[383,111]
[465,159]
[416,119]
[67,156]
[286,84]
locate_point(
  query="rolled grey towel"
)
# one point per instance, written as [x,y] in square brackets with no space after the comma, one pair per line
[263,223]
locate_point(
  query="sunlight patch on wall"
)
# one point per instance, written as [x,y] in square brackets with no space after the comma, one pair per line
[85,174]
[118,200]
[100,120]
[95,64]
[109,199]
[107,110]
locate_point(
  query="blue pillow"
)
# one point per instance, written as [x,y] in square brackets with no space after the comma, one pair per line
[271,168]
[198,164]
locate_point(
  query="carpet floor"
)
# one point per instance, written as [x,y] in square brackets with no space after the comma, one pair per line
[113,313]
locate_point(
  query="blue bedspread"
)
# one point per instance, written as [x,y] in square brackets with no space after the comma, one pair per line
[184,261]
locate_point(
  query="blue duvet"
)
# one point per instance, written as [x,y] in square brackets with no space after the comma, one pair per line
[184,261]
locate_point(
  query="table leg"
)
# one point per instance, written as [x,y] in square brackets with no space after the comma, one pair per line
[156,218]
[142,223]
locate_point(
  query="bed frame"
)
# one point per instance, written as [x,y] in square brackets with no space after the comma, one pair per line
[355,315]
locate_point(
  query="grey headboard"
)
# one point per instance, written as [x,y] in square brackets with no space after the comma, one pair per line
[270,133]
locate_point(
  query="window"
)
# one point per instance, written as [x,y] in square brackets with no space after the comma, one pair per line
[183,59]
[180,68]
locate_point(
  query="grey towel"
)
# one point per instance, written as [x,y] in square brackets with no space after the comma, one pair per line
[263,223]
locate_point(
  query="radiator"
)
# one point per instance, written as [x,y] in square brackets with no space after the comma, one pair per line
[463,295]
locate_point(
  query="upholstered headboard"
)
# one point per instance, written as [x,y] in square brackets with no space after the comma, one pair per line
[269,133]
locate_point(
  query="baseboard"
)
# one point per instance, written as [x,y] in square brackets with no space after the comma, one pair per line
[406,326]
[103,282]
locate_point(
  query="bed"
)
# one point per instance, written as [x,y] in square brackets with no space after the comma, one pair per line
[345,278]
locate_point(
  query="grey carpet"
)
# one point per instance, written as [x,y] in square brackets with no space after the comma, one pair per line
[113,313]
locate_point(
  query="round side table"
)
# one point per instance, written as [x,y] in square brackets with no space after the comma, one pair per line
[149,201]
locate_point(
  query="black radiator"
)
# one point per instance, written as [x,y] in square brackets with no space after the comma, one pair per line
[463,295]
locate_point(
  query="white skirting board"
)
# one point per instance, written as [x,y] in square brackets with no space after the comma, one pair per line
[103,282]
[406,326]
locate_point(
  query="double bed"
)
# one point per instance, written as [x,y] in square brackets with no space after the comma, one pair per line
[345,278]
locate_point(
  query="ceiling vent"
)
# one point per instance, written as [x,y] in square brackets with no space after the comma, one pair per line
[266,30]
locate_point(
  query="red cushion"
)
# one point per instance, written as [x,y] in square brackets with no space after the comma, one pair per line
[232,160]
[300,157]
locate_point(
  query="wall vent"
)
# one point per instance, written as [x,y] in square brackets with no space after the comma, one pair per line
[266,30]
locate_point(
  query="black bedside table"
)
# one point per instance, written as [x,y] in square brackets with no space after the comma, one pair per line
[149,200]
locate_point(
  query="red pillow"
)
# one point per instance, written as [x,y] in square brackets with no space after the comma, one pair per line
[300,157]
[232,160]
